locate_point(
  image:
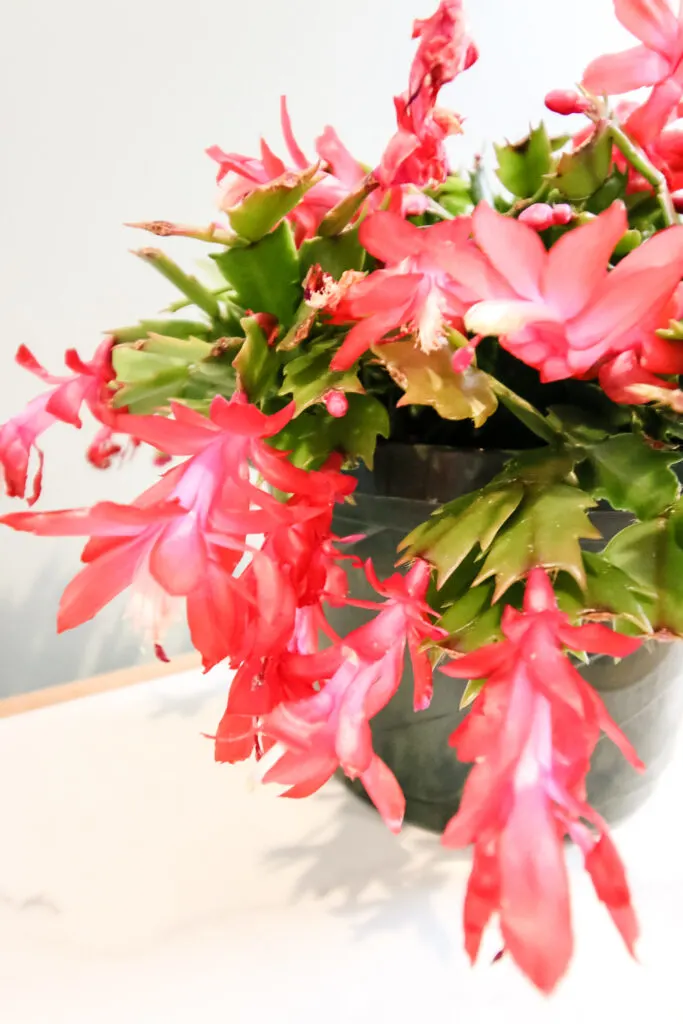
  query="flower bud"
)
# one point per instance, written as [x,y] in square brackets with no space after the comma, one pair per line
[566,101]
[539,216]
[462,359]
[336,403]
[562,215]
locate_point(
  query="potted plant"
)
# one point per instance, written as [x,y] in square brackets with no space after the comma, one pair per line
[474,379]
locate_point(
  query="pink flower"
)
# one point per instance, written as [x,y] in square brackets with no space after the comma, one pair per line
[341,174]
[183,538]
[416,154]
[531,734]
[19,436]
[656,62]
[562,311]
[626,381]
[446,49]
[331,728]
[414,294]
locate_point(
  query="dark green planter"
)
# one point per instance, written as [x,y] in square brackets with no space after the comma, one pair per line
[643,693]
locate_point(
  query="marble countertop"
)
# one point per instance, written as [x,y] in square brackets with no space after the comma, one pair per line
[141,882]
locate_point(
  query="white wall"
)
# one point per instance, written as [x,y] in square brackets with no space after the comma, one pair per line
[106,110]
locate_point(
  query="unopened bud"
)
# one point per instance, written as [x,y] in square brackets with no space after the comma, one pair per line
[462,359]
[566,101]
[539,216]
[562,215]
[628,242]
[336,403]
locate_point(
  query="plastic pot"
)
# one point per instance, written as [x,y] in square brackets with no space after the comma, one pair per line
[642,693]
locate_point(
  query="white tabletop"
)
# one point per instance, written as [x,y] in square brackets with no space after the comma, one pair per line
[141,882]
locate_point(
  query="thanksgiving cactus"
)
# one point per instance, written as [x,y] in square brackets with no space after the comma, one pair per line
[351,305]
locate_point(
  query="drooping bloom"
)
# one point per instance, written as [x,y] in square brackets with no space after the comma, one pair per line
[358,677]
[656,62]
[184,537]
[531,734]
[86,385]
[414,293]
[563,311]
[416,153]
[296,572]
[340,175]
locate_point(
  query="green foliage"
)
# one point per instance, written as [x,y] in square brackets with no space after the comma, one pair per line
[167,328]
[613,188]
[631,475]
[546,531]
[334,254]
[308,376]
[651,554]
[357,432]
[341,215]
[523,166]
[266,205]
[608,591]
[160,368]
[528,515]
[463,526]
[153,391]
[314,435]
[583,171]
[455,195]
[265,274]
[474,620]
[256,363]
[191,288]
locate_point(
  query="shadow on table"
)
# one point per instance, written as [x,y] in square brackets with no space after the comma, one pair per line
[381,881]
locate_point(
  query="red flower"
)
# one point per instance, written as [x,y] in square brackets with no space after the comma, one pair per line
[414,294]
[341,174]
[331,728]
[88,384]
[416,154]
[531,734]
[184,537]
[562,311]
[286,587]
[658,62]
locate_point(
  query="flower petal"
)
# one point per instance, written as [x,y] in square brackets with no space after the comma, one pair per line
[295,151]
[514,249]
[577,263]
[177,560]
[609,878]
[651,21]
[616,73]
[505,317]
[343,164]
[647,122]
[98,584]
[386,794]
[363,335]
[389,237]
[535,916]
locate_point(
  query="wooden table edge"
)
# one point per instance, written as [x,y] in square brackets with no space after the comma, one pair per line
[22,702]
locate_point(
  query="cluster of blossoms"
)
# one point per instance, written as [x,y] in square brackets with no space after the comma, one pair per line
[343,288]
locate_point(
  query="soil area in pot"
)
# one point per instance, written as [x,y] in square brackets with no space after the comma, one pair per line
[642,693]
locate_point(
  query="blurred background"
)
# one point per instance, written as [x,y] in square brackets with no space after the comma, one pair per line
[107,110]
